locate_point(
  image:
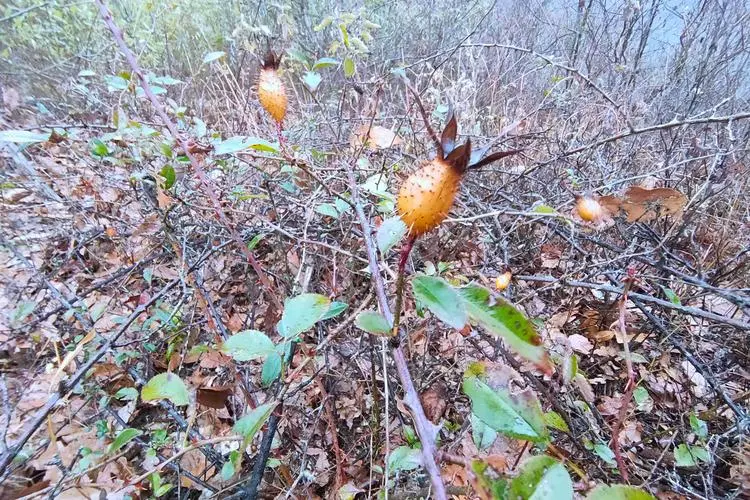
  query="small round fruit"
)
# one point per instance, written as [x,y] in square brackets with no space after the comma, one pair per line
[427,195]
[588,209]
[503,280]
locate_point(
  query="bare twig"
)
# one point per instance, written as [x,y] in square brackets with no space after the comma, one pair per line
[625,402]
[691,311]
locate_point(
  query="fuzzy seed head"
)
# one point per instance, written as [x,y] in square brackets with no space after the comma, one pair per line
[272,93]
[503,280]
[427,196]
[588,209]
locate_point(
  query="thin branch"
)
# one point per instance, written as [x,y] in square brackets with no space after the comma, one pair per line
[690,311]
[425,429]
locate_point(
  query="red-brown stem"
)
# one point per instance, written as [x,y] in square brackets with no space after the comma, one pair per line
[630,384]
[405,251]
[117,34]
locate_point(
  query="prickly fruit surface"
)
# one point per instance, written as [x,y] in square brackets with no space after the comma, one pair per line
[272,93]
[427,195]
[503,280]
[588,209]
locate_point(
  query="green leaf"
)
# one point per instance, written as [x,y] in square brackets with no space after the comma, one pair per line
[115,82]
[123,438]
[23,136]
[22,311]
[127,394]
[334,310]
[301,313]
[325,62]
[251,423]
[519,416]
[166,80]
[328,209]
[390,232]
[440,298]
[344,36]
[231,465]
[241,143]
[256,239]
[271,369]
[349,68]
[482,434]
[605,453]
[671,296]
[312,80]
[619,492]
[542,478]
[503,320]
[323,24]
[699,426]
[248,345]
[642,399]
[167,171]
[404,458]
[373,322]
[554,420]
[212,56]
[543,209]
[99,149]
[166,386]
[690,456]
[487,479]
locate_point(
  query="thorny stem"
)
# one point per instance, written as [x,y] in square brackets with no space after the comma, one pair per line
[631,379]
[405,251]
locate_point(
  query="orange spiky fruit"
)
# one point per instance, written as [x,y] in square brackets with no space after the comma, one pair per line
[427,195]
[503,280]
[271,90]
[588,209]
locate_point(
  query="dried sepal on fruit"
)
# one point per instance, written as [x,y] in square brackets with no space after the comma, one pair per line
[271,89]
[427,195]
[503,280]
[588,209]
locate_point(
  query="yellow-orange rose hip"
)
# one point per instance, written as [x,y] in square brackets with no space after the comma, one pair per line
[427,195]
[588,209]
[271,90]
[503,280]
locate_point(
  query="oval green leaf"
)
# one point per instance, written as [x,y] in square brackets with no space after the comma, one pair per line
[542,478]
[440,298]
[373,322]
[334,310]
[404,458]
[166,386]
[123,438]
[251,423]
[390,232]
[301,313]
[515,415]
[248,345]
[271,369]
[619,492]
[349,68]
[503,320]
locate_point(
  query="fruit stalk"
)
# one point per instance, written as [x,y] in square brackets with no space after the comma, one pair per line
[405,251]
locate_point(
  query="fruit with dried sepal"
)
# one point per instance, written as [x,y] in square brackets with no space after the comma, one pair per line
[588,209]
[427,195]
[503,280]
[271,89]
